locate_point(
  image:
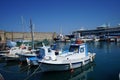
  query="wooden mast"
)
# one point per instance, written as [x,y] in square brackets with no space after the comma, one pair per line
[32,33]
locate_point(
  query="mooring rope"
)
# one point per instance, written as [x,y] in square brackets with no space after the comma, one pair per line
[25,67]
[34,72]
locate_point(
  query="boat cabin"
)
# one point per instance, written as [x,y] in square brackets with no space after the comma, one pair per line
[79,48]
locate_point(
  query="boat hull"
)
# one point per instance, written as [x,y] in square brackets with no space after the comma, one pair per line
[62,67]
[23,57]
[10,57]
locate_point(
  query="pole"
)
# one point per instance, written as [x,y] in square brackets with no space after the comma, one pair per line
[22,25]
[32,33]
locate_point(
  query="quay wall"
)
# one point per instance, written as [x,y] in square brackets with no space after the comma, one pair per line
[2,35]
[26,35]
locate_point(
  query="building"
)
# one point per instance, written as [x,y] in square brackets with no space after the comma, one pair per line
[100,31]
[2,34]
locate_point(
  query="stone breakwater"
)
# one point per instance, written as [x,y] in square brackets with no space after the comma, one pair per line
[26,35]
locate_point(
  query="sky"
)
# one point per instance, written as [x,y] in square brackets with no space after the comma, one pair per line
[58,15]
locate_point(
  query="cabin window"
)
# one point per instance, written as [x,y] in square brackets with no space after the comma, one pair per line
[74,49]
[81,49]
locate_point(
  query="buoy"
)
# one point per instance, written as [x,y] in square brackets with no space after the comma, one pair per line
[72,70]
[91,58]
[83,63]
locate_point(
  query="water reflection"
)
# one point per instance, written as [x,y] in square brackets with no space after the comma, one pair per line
[24,72]
[106,47]
[14,70]
[107,66]
[77,74]
[12,67]
[81,74]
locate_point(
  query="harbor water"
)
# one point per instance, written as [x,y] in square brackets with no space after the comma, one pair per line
[106,66]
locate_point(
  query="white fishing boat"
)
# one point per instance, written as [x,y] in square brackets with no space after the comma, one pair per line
[12,53]
[75,57]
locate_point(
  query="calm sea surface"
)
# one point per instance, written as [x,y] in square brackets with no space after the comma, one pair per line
[105,67]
